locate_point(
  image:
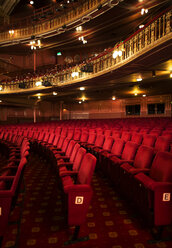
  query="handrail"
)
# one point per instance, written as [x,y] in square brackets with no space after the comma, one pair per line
[155,33]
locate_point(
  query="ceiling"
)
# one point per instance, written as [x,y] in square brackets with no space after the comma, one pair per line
[102,32]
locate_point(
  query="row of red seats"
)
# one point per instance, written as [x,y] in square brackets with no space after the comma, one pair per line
[75,168]
[114,153]
[11,175]
[100,145]
[142,169]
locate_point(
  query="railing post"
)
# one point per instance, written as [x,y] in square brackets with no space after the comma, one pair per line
[168,27]
[152,32]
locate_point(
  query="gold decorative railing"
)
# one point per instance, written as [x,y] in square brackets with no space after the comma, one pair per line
[55,23]
[153,34]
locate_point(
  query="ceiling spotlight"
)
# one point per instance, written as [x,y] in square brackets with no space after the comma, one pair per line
[54,93]
[81,38]
[144,11]
[135,94]
[0,100]
[141,26]
[139,79]
[144,95]
[79,102]
[84,41]
[31,2]
[170,74]
[39,97]
[113,98]
[79,28]
[0,87]
[82,88]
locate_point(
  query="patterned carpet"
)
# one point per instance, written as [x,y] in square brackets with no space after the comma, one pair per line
[110,223]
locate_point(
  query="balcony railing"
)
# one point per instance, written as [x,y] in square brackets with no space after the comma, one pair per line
[153,34]
[37,25]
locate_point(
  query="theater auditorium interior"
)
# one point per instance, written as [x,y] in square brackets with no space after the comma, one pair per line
[85,124]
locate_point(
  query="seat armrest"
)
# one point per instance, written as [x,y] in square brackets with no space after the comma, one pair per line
[68,173]
[65,164]
[134,171]
[78,188]
[126,161]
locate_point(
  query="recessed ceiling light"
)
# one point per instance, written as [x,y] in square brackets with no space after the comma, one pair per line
[0,87]
[31,2]
[54,93]
[82,88]
[144,95]
[0,100]
[135,94]
[39,97]
[139,79]
[170,74]
[79,102]
[113,98]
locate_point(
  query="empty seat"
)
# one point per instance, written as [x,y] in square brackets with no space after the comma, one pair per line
[74,166]
[126,136]
[127,155]
[162,144]
[142,163]
[137,138]
[79,194]
[153,191]
[116,134]
[148,140]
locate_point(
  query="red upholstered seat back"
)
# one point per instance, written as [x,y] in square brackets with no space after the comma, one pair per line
[99,140]
[77,135]
[149,140]
[56,140]
[108,143]
[161,169]
[162,144]
[116,134]
[91,138]
[144,157]
[117,147]
[65,144]
[84,137]
[78,158]
[126,136]
[129,151]
[70,147]
[137,138]
[86,169]
[74,151]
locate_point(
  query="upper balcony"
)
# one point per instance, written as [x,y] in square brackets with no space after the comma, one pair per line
[152,41]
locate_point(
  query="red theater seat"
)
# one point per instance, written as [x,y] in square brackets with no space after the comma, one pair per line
[127,155]
[153,191]
[148,140]
[79,194]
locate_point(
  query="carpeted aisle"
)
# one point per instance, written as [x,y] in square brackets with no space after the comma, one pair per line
[110,223]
